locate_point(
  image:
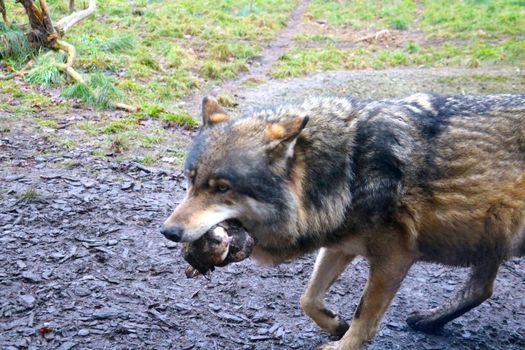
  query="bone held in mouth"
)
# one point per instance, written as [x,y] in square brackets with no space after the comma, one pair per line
[225,243]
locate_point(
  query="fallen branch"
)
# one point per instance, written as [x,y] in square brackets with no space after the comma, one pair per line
[67,22]
[127,108]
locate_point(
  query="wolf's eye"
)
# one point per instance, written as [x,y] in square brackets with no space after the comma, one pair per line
[222,188]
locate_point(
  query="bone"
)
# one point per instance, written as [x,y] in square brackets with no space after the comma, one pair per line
[223,244]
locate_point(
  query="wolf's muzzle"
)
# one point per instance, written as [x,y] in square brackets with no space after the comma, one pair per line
[173,233]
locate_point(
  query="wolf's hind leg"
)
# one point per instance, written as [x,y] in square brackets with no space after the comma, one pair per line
[477,289]
[328,266]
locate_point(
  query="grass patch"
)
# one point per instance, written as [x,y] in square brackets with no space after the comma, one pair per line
[14,47]
[227,101]
[154,137]
[320,38]
[177,118]
[115,126]
[147,159]
[4,128]
[298,62]
[253,82]
[47,123]
[67,143]
[23,109]
[473,18]
[44,71]
[228,51]
[119,144]
[180,118]
[99,91]
[67,163]
[29,195]
[395,14]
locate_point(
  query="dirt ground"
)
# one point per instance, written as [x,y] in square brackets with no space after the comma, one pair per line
[83,265]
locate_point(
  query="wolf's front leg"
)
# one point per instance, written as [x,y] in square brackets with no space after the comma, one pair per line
[328,266]
[385,277]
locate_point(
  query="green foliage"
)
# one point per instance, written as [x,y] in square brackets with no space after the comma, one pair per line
[226,51]
[162,52]
[398,23]
[473,19]
[119,144]
[217,71]
[359,13]
[152,110]
[44,71]
[180,118]
[177,118]
[119,42]
[13,44]
[302,61]
[176,57]
[227,101]
[48,123]
[99,91]
[29,195]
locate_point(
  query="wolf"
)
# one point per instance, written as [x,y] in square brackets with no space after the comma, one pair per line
[424,178]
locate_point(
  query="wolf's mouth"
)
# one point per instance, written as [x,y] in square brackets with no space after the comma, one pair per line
[224,243]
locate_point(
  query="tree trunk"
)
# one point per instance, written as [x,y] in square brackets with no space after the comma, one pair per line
[42,30]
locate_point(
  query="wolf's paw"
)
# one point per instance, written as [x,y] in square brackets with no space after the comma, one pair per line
[341,328]
[424,321]
[329,346]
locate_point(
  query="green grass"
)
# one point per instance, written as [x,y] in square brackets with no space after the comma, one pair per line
[160,53]
[473,18]
[179,118]
[489,33]
[29,195]
[297,62]
[47,123]
[14,47]
[44,71]
[119,144]
[363,13]
[147,159]
[99,91]
[174,47]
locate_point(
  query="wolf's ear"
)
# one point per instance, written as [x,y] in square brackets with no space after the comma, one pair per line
[282,135]
[212,112]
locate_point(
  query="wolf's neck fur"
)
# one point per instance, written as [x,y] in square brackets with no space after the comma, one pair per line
[321,173]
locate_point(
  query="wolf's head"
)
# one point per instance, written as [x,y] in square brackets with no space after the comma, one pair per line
[236,169]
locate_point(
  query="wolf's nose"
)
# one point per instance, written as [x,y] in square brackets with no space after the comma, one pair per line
[173,233]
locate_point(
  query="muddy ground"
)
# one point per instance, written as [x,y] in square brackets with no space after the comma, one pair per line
[84,267]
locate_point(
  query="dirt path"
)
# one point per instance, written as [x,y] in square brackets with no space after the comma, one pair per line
[275,49]
[261,67]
